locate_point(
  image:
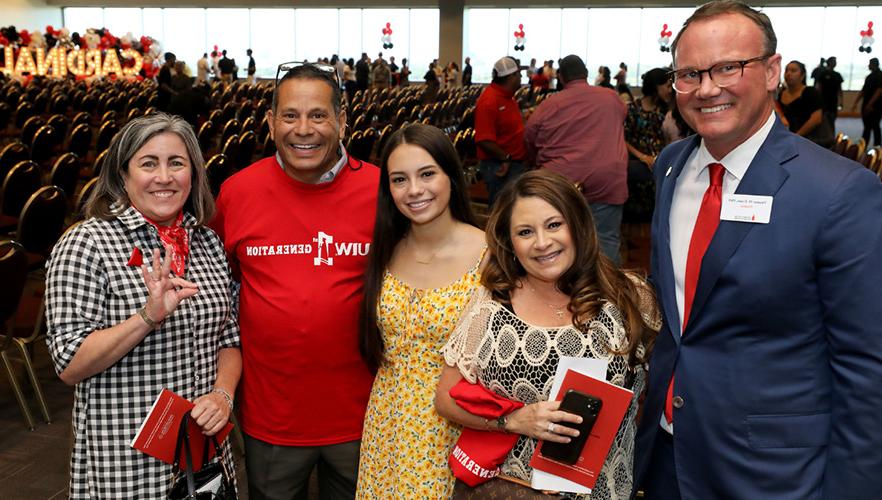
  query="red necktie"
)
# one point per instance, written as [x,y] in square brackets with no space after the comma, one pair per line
[702,234]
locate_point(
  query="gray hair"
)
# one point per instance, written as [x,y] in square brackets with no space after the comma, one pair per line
[110,190]
[723,7]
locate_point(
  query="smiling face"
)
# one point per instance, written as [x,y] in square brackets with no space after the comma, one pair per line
[541,239]
[306,129]
[158,178]
[418,185]
[726,117]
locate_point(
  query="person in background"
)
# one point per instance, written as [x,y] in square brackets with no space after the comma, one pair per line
[645,139]
[164,90]
[830,86]
[499,128]
[363,72]
[603,78]
[404,73]
[381,76]
[870,99]
[202,69]
[544,267]
[304,385]
[467,72]
[579,133]
[801,106]
[139,298]
[252,68]
[226,67]
[422,269]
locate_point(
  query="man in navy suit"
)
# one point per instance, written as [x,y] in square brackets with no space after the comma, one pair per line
[766,377]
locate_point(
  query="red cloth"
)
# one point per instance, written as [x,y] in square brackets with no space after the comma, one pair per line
[477,455]
[498,119]
[176,237]
[705,226]
[579,132]
[300,251]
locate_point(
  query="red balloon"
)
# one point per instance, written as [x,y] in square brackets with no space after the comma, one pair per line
[664,26]
[387,25]
[869,24]
[869,32]
[521,27]
[863,33]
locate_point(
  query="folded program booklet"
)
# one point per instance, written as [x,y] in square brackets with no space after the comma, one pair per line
[615,404]
[158,435]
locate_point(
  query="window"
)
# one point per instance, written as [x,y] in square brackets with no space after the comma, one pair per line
[79,19]
[315,34]
[272,39]
[122,21]
[184,34]
[424,32]
[229,30]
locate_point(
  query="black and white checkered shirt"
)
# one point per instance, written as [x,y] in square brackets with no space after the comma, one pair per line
[90,287]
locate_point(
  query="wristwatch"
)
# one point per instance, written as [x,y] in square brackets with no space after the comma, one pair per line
[500,423]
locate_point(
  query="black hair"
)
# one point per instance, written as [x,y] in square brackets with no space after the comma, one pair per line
[391,225]
[310,72]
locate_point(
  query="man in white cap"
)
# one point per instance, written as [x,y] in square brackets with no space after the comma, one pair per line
[499,128]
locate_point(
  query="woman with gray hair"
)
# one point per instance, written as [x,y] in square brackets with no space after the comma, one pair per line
[139,298]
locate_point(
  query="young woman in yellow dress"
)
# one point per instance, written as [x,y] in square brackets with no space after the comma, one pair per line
[423,266]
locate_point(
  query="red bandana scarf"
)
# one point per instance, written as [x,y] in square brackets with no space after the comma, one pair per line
[176,237]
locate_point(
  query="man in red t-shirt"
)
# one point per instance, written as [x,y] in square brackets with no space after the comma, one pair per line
[499,128]
[297,229]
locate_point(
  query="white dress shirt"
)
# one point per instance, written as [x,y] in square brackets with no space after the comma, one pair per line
[688,193]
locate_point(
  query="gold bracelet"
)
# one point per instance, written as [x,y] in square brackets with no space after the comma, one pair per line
[147,319]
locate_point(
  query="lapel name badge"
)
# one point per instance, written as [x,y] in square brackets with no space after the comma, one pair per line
[746,208]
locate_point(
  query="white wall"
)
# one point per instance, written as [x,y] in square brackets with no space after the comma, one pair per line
[30,15]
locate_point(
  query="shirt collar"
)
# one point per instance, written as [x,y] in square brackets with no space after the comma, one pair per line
[330,175]
[502,90]
[737,161]
[576,83]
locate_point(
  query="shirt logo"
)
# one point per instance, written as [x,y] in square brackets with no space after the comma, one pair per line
[323,249]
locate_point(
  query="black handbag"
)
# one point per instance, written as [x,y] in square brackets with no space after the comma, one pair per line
[211,482]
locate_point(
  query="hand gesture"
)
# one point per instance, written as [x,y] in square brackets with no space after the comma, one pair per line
[165,291]
[542,421]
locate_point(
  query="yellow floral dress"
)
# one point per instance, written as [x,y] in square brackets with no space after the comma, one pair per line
[405,444]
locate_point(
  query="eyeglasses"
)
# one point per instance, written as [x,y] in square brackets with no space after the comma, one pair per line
[325,69]
[723,74]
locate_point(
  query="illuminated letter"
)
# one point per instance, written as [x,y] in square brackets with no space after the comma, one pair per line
[93,62]
[111,63]
[9,58]
[25,63]
[76,62]
[136,68]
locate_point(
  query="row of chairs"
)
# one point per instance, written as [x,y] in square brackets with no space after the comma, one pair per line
[40,224]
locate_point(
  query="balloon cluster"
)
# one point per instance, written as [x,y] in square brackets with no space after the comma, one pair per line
[520,38]
[92,38]
[867,39]
[387,37]
[664,41]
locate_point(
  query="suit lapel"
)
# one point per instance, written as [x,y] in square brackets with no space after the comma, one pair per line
[764,177]
[667,288]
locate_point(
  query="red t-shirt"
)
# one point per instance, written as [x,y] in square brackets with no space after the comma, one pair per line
[300,251]
[498,119]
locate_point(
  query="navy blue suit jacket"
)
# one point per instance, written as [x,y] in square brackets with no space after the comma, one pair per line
[780,365]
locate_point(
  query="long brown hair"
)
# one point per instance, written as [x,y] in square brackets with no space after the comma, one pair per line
[591,280]
[391,225]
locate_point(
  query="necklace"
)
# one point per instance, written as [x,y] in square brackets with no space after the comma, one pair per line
[425,262]
[560,311]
